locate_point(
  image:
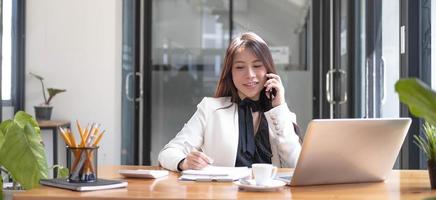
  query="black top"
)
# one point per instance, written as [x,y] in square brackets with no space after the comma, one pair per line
[253,148]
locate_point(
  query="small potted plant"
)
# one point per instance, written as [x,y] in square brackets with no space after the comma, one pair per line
[44,110]
[421,101]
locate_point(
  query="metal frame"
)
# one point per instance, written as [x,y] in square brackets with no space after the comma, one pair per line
[147,70]
[412,65]
[356,60]
[230,20]
[131,12]
[18,54]
[1,60]
[325,56]
[316,15]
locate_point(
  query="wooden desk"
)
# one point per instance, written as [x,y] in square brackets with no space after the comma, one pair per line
[54,125]
[403,184]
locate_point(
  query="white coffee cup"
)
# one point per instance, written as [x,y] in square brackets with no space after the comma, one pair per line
[263,173]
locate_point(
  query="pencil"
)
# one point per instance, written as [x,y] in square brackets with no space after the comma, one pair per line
[79,128]
[98,139]
[72,140]
[67,141]
[84,136]
[89,134]
[64,134]
[82,140]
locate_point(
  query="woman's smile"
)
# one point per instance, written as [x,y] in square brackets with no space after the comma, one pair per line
[251,84]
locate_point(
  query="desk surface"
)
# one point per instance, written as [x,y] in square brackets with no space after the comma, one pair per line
[402,184]
[53,123]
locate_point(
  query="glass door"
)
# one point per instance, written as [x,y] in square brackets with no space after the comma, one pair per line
[333,58]
[189,38]
[359,58]
[382,59]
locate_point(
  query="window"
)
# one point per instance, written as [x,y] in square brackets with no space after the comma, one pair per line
[6,50]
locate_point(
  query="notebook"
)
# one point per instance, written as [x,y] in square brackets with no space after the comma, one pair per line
[348,151]
[100,184]
[143,173]
[215,173]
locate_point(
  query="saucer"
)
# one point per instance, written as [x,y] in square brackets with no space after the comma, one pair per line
[250,185]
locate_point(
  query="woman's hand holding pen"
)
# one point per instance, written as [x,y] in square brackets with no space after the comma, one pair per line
[195,160]
[274,83]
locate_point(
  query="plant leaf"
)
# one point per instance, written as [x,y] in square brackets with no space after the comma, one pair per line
[54,91]
[2,139]
[36,76]
[22,118]
[23,155]
[3,128]
[63,172]
[422,145]
[427,141]
[4,125]
[420,98]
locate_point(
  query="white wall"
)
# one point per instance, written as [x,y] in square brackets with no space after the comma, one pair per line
[76,45]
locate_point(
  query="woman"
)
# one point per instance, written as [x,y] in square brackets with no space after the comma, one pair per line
[247,122]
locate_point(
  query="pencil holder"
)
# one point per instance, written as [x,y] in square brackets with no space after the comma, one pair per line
[82,164]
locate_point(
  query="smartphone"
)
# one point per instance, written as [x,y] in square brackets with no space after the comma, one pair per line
[272,94]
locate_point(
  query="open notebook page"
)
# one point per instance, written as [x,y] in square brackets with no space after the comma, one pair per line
[215,171]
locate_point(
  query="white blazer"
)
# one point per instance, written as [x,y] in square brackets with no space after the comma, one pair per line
[214,128]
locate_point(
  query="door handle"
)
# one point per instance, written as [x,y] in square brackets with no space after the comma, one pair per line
[127,88]
[382,81]
[366,85]
[339,77]
[141,91]
[129,76]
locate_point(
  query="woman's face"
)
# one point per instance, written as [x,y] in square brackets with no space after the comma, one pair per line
[249,74]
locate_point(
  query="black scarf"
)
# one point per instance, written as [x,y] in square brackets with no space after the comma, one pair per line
[251,148]
[245,108]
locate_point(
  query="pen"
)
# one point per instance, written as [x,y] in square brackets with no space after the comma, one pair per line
[192,148]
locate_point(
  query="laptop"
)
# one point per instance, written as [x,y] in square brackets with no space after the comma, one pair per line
[348,151]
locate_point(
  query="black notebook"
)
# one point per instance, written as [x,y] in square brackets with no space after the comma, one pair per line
[100,184]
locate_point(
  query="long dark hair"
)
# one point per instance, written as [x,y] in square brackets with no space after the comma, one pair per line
[258,47]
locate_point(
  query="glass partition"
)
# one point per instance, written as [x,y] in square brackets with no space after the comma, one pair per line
[189,38]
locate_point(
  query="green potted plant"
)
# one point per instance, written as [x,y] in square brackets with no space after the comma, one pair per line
[427,143]
[22,154]
[44,110]
[421,101]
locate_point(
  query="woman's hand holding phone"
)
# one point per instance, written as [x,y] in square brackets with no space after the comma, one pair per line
[274,89]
